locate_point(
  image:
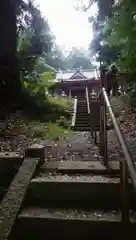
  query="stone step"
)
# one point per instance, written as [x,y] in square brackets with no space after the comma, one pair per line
[97,191]
[81,103]
[82,120]
[96,114]
[79,115]
[79,129]
[79,111]
[82,125]
[82,109]
[54,223]
[12,201]
[79,124]
[86,118]
[81,167]
[9,165]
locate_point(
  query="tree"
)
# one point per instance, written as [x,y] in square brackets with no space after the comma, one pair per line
[56,58]
[35,39]
[78,59]
[99,45]
[24,43]
[9,72]
[123,34]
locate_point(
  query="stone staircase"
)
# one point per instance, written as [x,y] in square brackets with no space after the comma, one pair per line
[82,118]
[74,200]
[79,199]
[87,122]
[95,115]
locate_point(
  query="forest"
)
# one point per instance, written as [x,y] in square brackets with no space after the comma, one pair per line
[114,38]
[30,56]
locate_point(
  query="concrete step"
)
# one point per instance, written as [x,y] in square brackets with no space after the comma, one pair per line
[93,166]
[79,129]
[96,113]
[79,189]
[82,128]
[12,201]
[79,114]
[54,223]
[84,124]
[82,104]
[84,121]
[9,165]
[78,122]
[84,116]
[82,111]
[81,107]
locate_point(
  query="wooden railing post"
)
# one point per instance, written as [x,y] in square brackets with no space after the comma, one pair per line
[124,193]
[74,112]
[105,133]
[103,121]
[89,108]
[101,127]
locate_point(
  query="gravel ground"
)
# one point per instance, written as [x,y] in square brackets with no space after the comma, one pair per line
[70,214]
[76,178]
[76,147]
[114,148]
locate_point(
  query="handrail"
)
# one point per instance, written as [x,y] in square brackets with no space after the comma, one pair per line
[87,99]
[74,112]
[128,158]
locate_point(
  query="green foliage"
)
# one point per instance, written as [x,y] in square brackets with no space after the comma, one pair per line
[99,46]
[40,130]
[64,102]
[123,34]
[78,59]
[35,42]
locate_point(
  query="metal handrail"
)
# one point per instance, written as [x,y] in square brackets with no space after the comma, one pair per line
[87,99]
[74,112]
[127,155]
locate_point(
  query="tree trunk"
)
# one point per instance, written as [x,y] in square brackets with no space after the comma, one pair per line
[9,71]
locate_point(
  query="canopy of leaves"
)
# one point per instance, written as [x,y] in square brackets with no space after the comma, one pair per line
[123,34]
[99,46]
[78,59]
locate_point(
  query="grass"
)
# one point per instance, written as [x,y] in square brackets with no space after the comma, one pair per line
[120,107]
[63,102]
[36,129]
[54,124]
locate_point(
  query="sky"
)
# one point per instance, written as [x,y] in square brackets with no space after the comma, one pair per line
[70,27]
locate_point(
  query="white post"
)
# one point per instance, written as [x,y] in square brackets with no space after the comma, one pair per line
[69,93]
